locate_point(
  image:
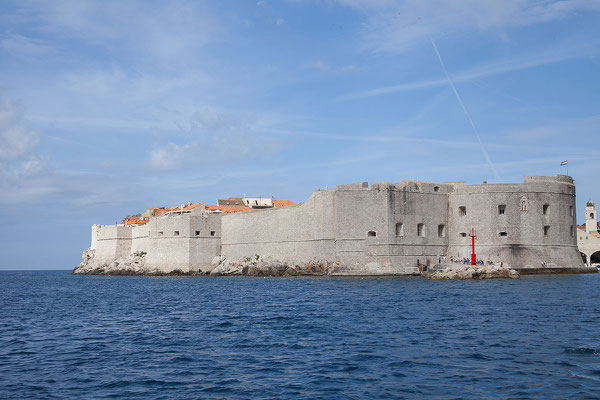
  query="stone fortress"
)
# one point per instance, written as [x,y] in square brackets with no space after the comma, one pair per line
[380,228]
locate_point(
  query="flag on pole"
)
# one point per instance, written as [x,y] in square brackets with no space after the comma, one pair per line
[563,163]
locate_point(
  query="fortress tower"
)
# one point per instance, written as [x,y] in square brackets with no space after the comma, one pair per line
[591,221]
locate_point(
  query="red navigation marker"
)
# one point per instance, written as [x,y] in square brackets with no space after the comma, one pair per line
[473,235]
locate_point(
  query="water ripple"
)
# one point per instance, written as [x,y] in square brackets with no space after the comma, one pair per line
[64,336]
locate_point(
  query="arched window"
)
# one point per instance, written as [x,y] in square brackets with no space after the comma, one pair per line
[523,204]
[592,215]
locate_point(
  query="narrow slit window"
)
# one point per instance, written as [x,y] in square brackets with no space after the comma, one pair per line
[501,209]
[547,230]
[523,205]
[399,229]
[420,229]
[571,211]
[441,230]
[502,233]
[572,231]
[545,208]
[463,234]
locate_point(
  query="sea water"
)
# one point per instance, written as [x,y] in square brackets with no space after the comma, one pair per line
[64,336]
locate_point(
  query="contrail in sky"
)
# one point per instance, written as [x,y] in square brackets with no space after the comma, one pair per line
[462,105]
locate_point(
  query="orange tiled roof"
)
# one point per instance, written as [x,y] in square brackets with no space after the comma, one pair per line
[581,227]
[135,220]
[228,209]
[192,206]
[283,203]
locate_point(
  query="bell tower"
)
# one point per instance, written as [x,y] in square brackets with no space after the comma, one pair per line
[591,219]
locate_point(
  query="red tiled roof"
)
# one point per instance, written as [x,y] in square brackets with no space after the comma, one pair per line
[135,220]
[283,203]
[192,206]
[228,209]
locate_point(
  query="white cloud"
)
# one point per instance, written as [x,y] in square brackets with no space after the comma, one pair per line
[17,140]
[217,137]
[21,44]
[398,26]
[166,32]
[559,53]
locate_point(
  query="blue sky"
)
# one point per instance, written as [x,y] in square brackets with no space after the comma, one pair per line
[109,107]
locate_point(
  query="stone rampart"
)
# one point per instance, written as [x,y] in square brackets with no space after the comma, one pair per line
[530,225]
[381,228]
[298,233]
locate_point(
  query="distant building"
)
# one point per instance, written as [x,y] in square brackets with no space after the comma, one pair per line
[232,201]
[253,202]
[588,236]
[257,202]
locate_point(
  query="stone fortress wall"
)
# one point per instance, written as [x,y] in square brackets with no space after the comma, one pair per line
[389,227]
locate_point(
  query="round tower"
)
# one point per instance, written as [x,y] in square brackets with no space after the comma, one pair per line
[591,219]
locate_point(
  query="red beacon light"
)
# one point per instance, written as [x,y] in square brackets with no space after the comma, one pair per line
[473,236]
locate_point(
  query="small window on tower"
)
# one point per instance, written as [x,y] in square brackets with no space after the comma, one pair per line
[463,234]
[501,208]
[212,233]
[420,230]
[545,209]
[442,230]
[197,233]
[572,231]
[502,234]
[462,211]
[371,234]
[436,188]
[571,211]
[176,233]
[523,205]
[592,215]
[399,229]
[546,230]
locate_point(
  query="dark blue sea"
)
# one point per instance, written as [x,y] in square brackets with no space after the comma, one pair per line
[94,337]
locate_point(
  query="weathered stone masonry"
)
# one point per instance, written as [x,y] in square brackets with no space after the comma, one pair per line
[382,228]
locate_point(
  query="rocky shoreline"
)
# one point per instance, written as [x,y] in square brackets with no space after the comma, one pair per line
[470,272]
[134,264]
